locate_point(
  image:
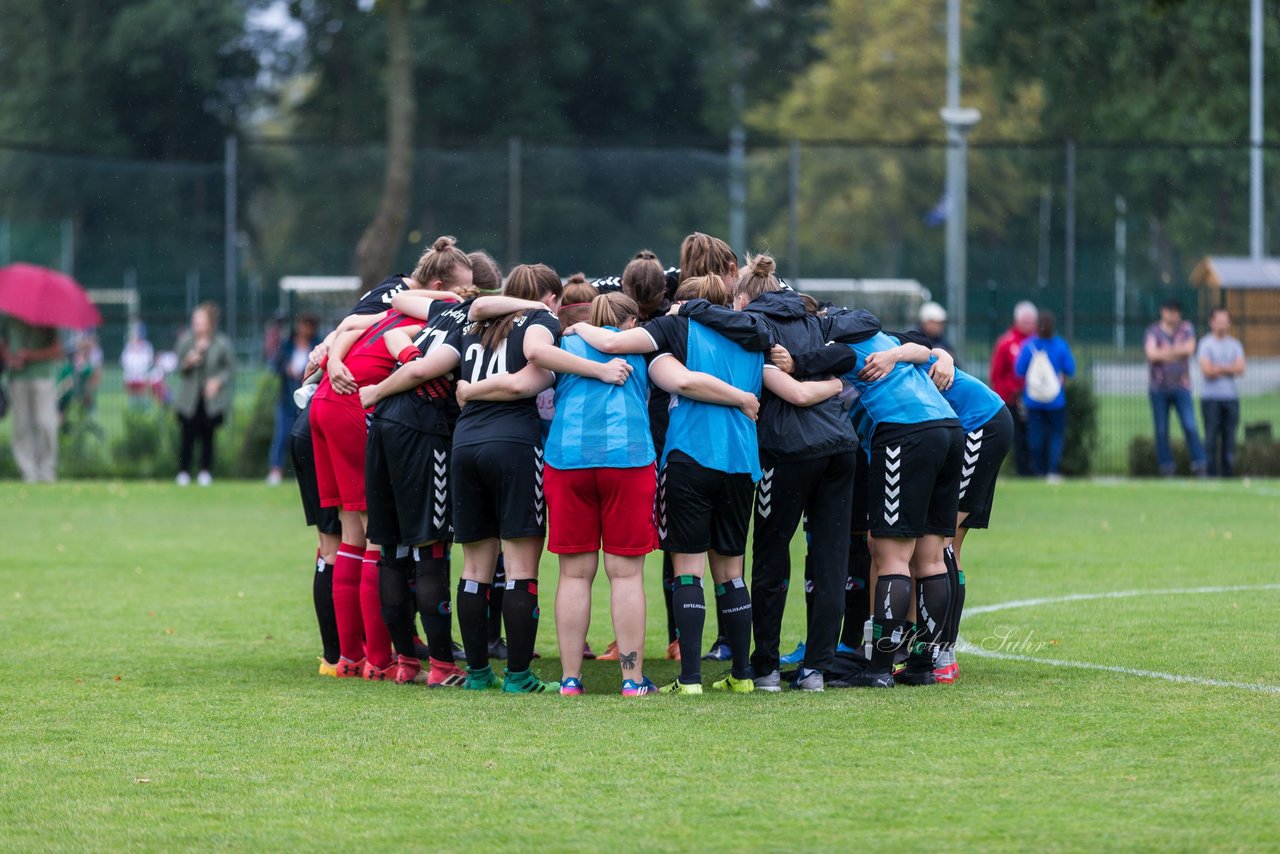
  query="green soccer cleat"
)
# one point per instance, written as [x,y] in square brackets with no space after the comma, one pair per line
[678,687]
[734,686]
[526,682]
[481,679]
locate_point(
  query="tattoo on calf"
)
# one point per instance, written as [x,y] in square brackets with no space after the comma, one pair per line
[628,660]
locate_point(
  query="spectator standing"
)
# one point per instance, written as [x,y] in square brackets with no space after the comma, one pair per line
[1045,362]
[933,325]
[32,355]
[1169,345]
[1006,382]
[136,360]
[206,366]
[290,363]
[1221,358]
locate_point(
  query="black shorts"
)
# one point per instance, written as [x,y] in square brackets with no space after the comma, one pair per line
[861,521]
[914,480]
[406,477]
[498,492]
[324,519]
[984,453]
[701,509]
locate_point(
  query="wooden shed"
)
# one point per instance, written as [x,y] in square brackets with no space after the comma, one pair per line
[1250,289]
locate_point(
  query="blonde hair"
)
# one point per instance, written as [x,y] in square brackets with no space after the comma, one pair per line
[701,255]
[758,277]
[438,263]
[527,281]
[613,309]
[710,288]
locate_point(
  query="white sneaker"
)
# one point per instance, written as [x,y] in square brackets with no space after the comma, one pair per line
[204,479]
[1053,478]
[184,479]
[274,479]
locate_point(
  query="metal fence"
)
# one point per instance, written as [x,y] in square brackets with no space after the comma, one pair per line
[1098,233]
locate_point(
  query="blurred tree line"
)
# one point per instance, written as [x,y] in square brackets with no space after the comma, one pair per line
[166,80]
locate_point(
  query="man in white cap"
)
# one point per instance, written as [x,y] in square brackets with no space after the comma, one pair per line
[933,325]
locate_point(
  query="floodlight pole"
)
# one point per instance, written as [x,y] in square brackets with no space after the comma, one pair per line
[1256,247]
[229,234]
[959,122]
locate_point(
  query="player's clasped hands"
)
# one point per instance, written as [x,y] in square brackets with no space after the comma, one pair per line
[615,371]
[877,366]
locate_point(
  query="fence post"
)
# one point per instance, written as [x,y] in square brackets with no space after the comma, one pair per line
[67,246]
[513,201]
[1121,283]
[229,236]
[1069,262]
[738,189]
[193,290]
[1046,226]
[793,212]
[4,242]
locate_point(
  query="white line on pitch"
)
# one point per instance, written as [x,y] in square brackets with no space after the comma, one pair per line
[1118,594]
[966,647]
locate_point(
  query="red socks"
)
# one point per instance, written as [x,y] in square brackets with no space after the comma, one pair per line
[377,640]
[346,601]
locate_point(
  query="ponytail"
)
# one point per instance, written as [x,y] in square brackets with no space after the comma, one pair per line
[527,281]
[758,277]
[575,306]
[613,309]
[439,263]
[644,281]
[702,255]
[710,288]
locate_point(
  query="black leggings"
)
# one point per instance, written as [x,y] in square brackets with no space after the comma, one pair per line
[822,488]
[198,427]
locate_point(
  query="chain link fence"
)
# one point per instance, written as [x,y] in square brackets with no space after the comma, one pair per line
[1100,234]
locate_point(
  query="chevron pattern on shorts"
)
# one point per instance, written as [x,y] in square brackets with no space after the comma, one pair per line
[892,483]
[764,495]
[440,489]
[972,452]
[539,497]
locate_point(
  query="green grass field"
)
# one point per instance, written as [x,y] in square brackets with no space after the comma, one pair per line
[161,693]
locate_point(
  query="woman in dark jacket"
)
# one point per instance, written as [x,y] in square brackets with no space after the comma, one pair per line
[206,364]
[290,363]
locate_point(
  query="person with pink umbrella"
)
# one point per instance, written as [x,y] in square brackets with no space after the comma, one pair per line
[37,302]
[31,354]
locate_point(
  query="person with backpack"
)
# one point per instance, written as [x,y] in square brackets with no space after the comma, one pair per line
[1045,362]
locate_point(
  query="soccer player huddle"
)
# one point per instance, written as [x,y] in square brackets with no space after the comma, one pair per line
[656,410]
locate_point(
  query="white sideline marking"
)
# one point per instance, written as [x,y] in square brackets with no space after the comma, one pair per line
[966,647]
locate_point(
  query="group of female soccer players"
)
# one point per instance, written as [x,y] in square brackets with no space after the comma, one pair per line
[658,410]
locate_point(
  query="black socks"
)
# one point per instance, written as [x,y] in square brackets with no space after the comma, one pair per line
[955,578]
[933,601]
[857,601]
[322,597]
[473,621]
[668,588]
[690,609]
[520,613]
[397,603]
[890,629]
[497,591]
[433,601]
[734,606]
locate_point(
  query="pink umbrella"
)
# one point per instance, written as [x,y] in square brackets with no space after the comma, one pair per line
[43,297]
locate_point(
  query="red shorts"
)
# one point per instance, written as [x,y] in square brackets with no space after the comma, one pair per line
[338,435]
[588,506]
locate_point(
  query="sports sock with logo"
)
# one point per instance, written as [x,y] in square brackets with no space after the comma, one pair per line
[890,629]
[397,602]
[691,614]
[520,613]
[933,599]
[473,621]
[495,600]
[347,569]
[434,606]
[857,602]
[377,640]
[733,603]
[322,597]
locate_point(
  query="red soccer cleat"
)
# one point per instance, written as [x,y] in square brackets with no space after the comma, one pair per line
[610,653]
[349,669]
[445,674]
[673,651]
[946,675]
[378,674]
[407,670]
